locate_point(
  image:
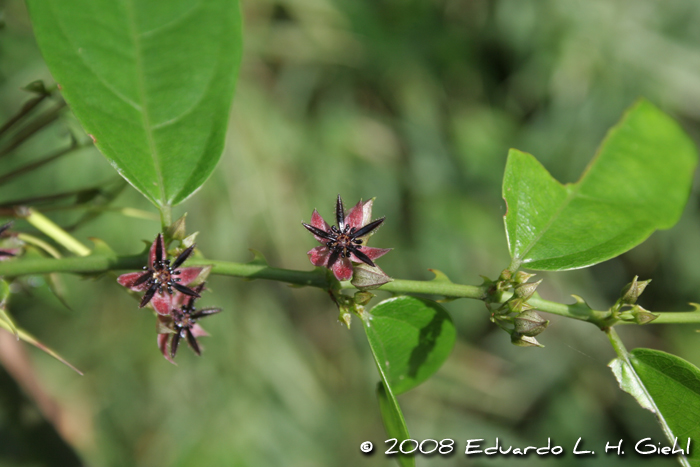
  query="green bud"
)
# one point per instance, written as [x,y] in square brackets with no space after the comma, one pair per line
[521,277]
[345,316]
[189,240]
[518,305]
[176,230]
[524,341]
[505,276]
[631,292]
[642,316]
[366,277]
[526,290]
[529,323]
[515,305]
[363,298]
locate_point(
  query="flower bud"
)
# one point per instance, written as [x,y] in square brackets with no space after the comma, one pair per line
[517,305]
[521,277]
[345,317]
[363,298]
[529,323]
[526,290]
[176,230]
[366,277]
[631,292]
[642,316]
[506,275]
[189,240]
[524,341]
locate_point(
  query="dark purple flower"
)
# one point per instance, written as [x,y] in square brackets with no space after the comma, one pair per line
[181,323]
[345,243]
[161,276]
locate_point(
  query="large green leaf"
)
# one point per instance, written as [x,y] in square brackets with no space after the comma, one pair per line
[638,182]
[670,387]
[151,80]
[411,337]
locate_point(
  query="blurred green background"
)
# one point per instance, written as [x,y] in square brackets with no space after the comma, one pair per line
[416,103]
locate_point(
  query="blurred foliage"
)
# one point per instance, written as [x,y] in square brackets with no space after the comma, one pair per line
[415,103]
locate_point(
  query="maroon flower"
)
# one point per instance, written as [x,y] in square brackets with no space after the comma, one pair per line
[181,323]
[346,242]
[160,276]
[6,253]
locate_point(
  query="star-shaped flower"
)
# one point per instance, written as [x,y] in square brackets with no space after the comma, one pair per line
[181,323]
[160,276]
[345,243]
[6,253]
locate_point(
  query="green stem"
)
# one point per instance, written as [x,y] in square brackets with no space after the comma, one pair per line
[166,216]
[46,226]
[98,263]
[672,317]
[24,111]
[35,165]
[617,344]
[32,127]
[40,243]
[447,289]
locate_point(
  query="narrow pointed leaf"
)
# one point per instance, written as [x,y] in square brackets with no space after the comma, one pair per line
[394,423]
[638,182]
[151,81]
[26,337]
[670,387]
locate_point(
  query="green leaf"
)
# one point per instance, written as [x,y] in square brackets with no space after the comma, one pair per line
[394,423]
[151,80]
[411,338]
[668,386]
[638,182]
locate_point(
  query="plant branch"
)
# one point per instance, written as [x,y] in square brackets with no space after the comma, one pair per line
[49,228]
[23,112]
[33,127]
[99,263]
[35,165]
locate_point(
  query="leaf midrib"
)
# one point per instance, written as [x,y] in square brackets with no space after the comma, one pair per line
[518,260]
[140,79]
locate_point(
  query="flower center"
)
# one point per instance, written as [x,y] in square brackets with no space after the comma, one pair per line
[183,320]
[162,276]
[343,241]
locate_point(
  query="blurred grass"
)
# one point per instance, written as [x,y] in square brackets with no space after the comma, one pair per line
[415,103]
